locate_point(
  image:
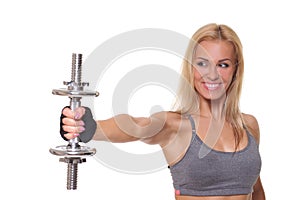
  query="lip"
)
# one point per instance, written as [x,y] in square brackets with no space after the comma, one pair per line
[211,86]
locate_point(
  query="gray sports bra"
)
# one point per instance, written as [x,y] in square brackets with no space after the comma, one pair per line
[216,173]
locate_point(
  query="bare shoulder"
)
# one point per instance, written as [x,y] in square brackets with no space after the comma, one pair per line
[171,119]
[252,125]
[174,120]
[169,123]
[250,121]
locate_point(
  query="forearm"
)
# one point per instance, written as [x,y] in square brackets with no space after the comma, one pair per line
[109,130]
[125,128]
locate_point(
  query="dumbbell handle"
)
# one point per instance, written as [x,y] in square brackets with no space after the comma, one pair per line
[75,102]
[75,85]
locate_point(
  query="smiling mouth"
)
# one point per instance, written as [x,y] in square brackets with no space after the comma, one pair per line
[212,86]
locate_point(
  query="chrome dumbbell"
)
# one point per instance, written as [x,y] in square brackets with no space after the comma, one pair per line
[73,152]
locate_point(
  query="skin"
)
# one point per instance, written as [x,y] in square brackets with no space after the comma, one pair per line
[213,73]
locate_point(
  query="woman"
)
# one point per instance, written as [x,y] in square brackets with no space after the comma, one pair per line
[210,146]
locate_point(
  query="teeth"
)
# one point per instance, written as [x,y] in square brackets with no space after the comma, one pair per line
[212,85]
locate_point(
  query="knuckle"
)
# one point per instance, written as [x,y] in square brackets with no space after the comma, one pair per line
[68,113]
[65,111]
[65,128]
[65,121]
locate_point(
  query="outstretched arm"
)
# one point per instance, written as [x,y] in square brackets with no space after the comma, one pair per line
[121,128]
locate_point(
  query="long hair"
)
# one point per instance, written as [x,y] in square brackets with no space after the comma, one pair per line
[187,100]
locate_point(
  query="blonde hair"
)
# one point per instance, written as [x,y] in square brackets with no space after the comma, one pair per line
[187,101]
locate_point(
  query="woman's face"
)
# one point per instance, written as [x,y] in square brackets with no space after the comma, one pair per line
[214,68]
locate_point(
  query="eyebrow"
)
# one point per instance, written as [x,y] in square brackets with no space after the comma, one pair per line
[203,58]
[225,59]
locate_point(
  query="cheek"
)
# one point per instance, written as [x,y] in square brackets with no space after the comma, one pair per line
[197,81]
[197,75]
[226,75]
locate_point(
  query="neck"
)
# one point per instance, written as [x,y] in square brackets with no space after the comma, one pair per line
[214,109]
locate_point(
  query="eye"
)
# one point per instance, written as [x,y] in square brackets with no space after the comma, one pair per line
[223,65]
[202,64]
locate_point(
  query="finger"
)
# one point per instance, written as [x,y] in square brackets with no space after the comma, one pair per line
[73,129]
[72,122]
[79,112]
[68,113]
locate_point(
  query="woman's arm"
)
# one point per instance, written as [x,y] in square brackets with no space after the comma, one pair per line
[258,191]
[252,125]
[121,128]
[155,129]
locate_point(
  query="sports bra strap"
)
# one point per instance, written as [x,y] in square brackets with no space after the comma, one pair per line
[192,124]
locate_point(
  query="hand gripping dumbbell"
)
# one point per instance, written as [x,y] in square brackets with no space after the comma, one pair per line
[73,152]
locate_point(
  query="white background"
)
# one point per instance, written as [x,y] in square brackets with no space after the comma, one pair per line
[37,39]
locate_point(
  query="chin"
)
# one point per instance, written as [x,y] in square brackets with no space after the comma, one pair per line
[213,96]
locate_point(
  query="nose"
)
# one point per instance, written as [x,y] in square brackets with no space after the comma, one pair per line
[213,73]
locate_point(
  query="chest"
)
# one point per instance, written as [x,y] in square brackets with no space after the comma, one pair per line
[210,166]
[205,168]
[220,136]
